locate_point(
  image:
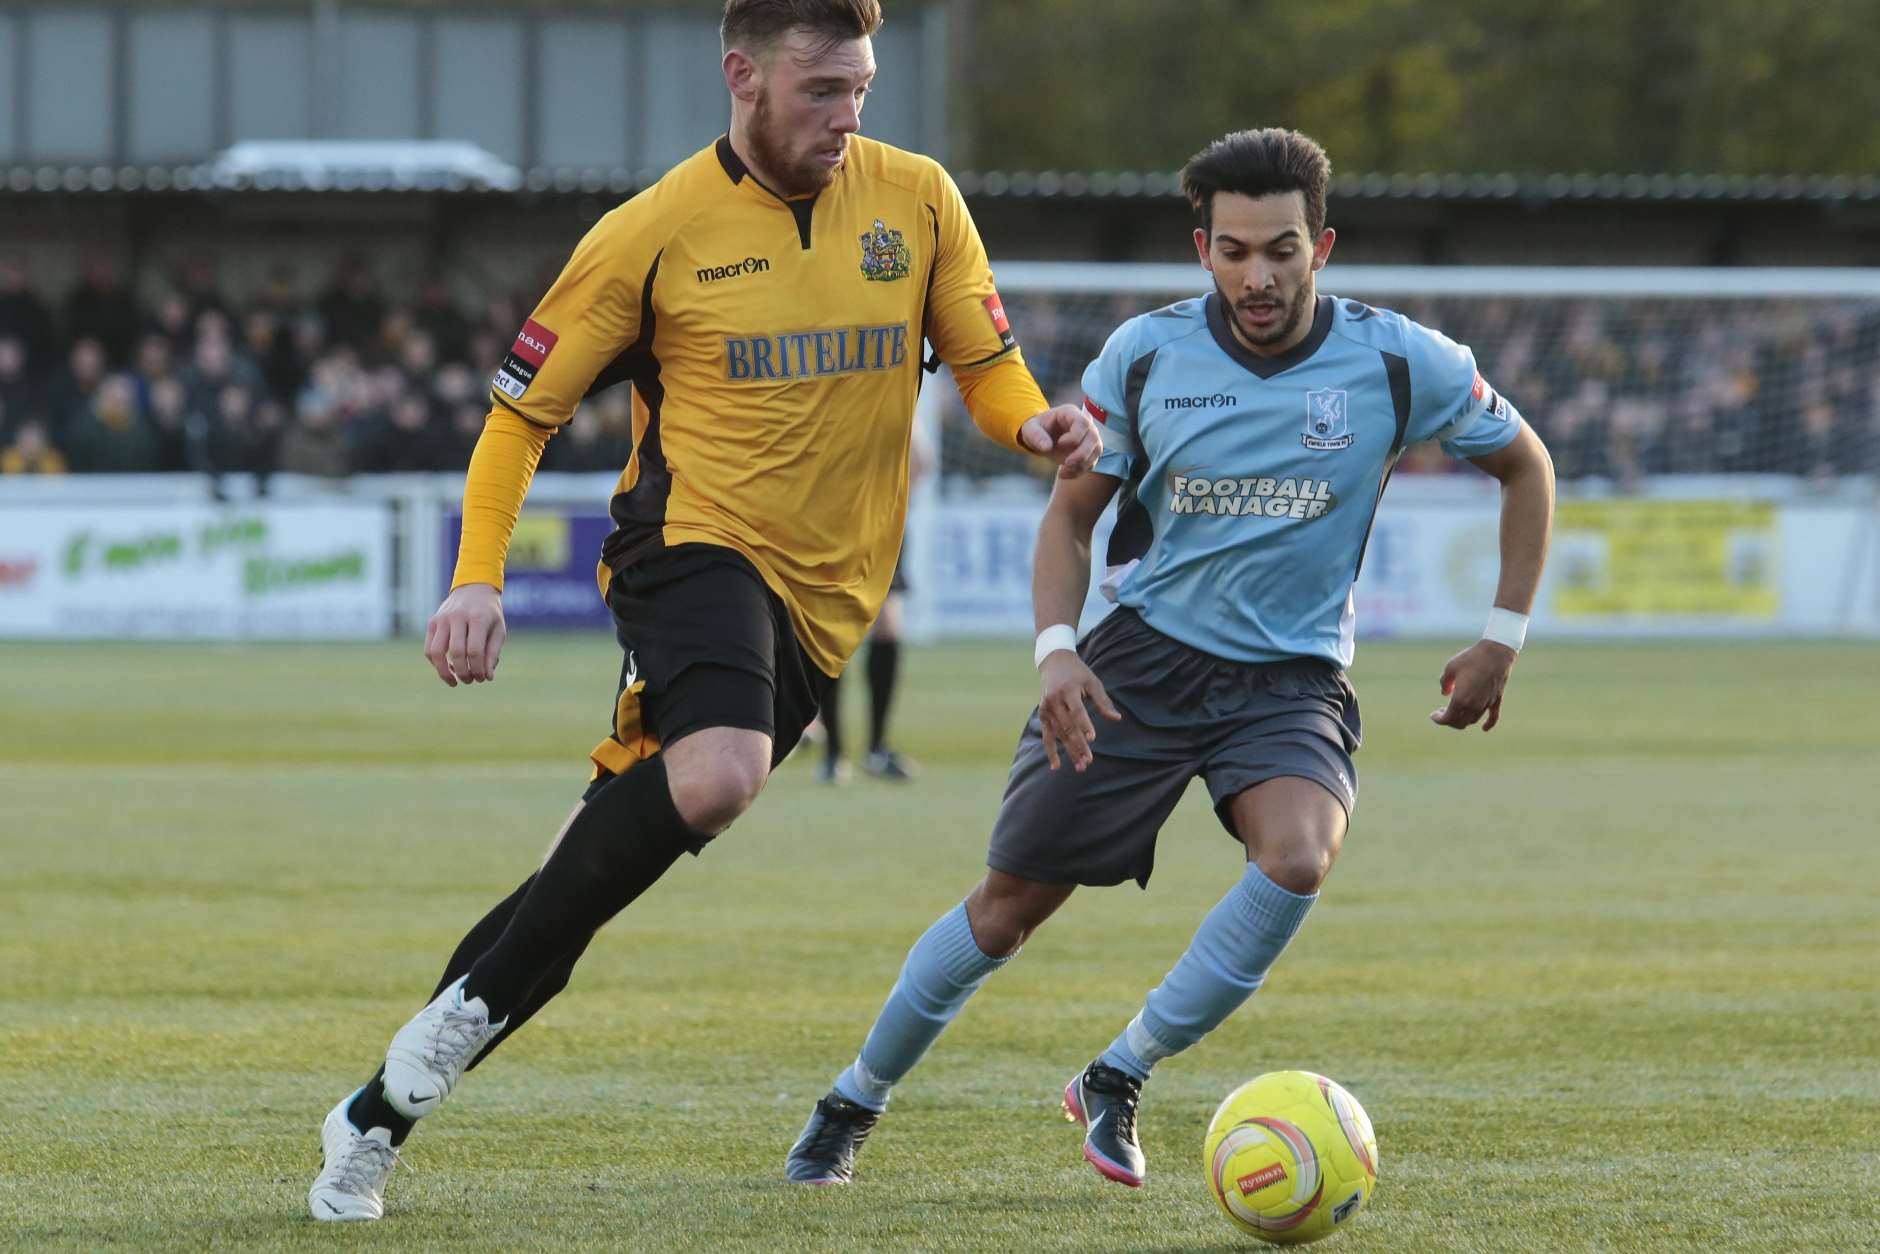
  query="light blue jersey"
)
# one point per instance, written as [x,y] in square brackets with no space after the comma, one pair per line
[1251,482]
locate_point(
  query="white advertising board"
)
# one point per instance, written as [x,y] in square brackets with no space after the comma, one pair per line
[1620,568]
[256,570]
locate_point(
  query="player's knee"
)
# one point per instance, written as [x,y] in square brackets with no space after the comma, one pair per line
[711,796]
[1300,867]
[1004,912]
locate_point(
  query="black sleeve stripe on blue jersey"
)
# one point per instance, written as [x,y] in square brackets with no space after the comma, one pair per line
[1133,383]
[1397,370]
[1134,529]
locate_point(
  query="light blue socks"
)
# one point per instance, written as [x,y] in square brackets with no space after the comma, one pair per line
[1227,960]
[943,969]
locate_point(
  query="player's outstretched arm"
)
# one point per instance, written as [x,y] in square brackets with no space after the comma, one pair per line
[1476,678]
[1068,435]
[465,639]
[1060,579]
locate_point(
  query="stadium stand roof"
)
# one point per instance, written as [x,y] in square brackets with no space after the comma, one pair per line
[297,172]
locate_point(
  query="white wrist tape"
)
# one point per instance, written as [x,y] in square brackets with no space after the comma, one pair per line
[1051,639]
[1506,627]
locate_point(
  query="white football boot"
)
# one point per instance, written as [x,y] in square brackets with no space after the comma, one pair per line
[351,1183]
[429,1054]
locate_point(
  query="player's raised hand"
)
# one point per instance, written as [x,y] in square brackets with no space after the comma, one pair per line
[1474,681]
[465,638]
[1067,685]
[1068,435]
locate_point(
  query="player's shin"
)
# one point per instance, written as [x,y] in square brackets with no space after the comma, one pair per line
[616,847]
[943,969]
[1226,962]
[368,1108]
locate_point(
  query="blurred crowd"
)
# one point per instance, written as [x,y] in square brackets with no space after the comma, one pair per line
[1619,388]
[357,379]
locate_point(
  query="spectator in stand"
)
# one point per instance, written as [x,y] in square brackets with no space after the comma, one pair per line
[170,319]
[351,307]
[1812,451]
[25,318]
[309,341]
[269,343]
[315,445]
[280,295]
[486,354]
[16,390]
[166,406]
[240,435]
[500,317]
[417,359]
[31,452]
[153,361]
[1577,433]
[215,365]
[1689,443]
[437,316]
[68,396]
[100,308]
[407,437]
[456,384]
[202,290]
[109,435]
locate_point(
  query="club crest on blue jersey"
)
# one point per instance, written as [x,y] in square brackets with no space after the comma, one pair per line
[885,255]
[1328,420]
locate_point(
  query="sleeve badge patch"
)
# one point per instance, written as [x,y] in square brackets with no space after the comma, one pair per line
[1096,411]
[995,309]
[526,356]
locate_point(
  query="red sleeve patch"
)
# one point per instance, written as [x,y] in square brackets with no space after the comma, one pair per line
[995,309]
[1096,411]
[1481,386]
[525,357]
[536,341]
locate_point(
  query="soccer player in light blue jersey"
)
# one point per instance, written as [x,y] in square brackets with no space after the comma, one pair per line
[1250,434]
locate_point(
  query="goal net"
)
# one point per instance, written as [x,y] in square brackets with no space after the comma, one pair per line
[1626,374]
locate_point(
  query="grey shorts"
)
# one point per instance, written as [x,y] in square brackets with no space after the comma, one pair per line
[1185,714]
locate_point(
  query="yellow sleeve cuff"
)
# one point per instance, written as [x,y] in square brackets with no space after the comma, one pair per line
[501,467]
[1001,396]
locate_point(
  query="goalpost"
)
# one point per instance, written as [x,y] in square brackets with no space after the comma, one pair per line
[1716,433]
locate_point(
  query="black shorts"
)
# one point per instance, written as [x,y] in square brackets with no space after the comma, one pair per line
[706,643]
[1186,714]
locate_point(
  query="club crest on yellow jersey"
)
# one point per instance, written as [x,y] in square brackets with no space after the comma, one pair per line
[885,254]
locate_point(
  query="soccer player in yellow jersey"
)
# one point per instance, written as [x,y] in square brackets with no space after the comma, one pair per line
[768,299]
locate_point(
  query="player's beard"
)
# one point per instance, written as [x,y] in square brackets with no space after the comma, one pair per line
[770,148]
[1295,314]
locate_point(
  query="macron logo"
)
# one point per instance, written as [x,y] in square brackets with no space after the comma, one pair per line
[750,265]
[1220,400]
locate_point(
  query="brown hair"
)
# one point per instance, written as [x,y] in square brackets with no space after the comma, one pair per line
[755,25]
[1259,163]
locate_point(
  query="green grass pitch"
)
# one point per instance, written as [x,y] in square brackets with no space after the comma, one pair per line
[1604,979]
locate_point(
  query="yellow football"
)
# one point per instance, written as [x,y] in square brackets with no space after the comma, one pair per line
[1290,1157]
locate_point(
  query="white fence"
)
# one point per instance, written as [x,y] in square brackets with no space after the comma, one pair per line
[156,556]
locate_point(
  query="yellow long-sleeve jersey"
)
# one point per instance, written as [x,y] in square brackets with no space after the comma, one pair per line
[776,344]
